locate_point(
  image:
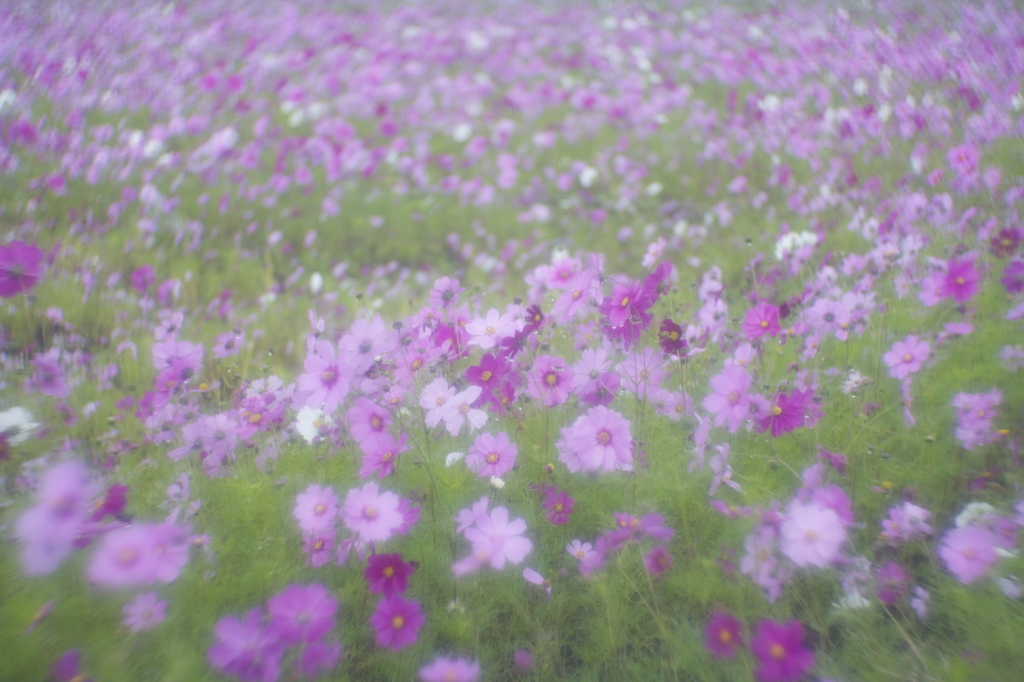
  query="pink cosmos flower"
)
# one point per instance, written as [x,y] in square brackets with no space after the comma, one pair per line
[550,381]
[325,381]
[785,414]
[459,411]
[722,635]
[969,552]
[780,652]
[906,356]
[374,516]
[729,403]
[450,670]
[642,371]
[368,423]
[597,441]
[579,550]
[144,612]
[388,574]
[762,319]
[21,266]
[382,458]
[365,340]
[625,313]
[302,614]
[397,622]
[246,648]
[485,332]
[434,399]
[495,540]
[812,535]
[492,455]
[318,546]
[961,281]
[316,508]
[445,293]
[124,557]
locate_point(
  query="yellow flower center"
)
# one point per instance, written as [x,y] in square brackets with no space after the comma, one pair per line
[776,410]
[486,375]
[492,457]
[386,457]
[389,572]
[624,302]
[376,423]
[777,651]
[490,330]
[907,357]
[559,507]
[764,324]
[551,379]
[397,622]
[327,376]
[604,438]
[724,636]
[370,512]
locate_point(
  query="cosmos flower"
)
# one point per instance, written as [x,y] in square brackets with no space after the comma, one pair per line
[722,635]
[762,319]
[397,622]
[144,612]
[491,455]
[387,574]
[373,515]
[780,652]
[906,356]
[302,613]
[597,441]
[450,670]
[812,535]
[21,266]
[246,648]
[316,508]
[969,552]
[730,402]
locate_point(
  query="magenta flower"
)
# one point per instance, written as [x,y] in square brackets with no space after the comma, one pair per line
[671,338]
[316,508]
[302,614]
[906,357]
[597,441]
[961,281]
[1013,277]
[21,266]
[762,319]
[144,612]
[969,552]
[246,649]
[67,668]
[658,560]
[722,635]
[812,535]
[780,652]
[374,516]
[625,312]
[450,670]
[397,622]
[491,455]
[785,414]
[387,574]
[729,403]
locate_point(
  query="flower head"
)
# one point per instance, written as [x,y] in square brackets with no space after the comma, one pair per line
[780,652]
[397,622]
[450,670]
[722,635]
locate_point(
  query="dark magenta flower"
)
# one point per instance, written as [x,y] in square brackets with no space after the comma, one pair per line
[786,413]
[671,339]
[722,635]
[21,266]
[387,574]
[780,652]
[1013,277]
[658,560]
[891,582]
[67,669]
[1005,243]
[558,505]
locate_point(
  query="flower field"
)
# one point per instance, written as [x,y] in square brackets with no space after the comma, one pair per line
[511,341]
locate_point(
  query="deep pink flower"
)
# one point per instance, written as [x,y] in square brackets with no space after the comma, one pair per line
[1013,276]
[318,546]
[906,357]
[21,266]
[780,652]
[397,622]
[785,414]
[1005,243]
[762,319]
[961,280]
[302,613]
[722,635]
[625,312]
[491,455]
[450,670]
[969,552]
[387,574]
[67,668]
[891,582]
